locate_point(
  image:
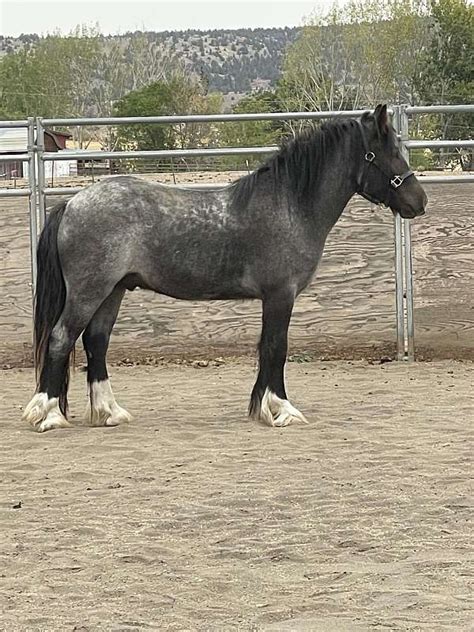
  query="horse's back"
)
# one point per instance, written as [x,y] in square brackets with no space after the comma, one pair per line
[129,206]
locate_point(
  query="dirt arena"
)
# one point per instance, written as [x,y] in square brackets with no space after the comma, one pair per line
[193,518]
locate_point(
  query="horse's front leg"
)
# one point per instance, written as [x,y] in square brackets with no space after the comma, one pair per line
[268,402]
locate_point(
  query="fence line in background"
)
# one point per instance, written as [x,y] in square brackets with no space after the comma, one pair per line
[37,191]
[31,192]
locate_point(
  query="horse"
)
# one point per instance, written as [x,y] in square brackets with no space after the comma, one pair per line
[260,237]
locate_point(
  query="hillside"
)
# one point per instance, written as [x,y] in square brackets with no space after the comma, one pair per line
[231,61]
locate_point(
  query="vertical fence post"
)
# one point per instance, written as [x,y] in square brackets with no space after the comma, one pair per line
[399,288]
[407,249]
[40,173]
[32,201]
[409,291]
[399,276]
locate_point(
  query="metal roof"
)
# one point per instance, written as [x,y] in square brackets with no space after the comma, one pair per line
[12,140]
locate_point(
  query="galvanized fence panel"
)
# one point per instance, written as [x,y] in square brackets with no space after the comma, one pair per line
[31,192]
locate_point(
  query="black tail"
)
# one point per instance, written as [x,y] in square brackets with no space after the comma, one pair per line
[50,294]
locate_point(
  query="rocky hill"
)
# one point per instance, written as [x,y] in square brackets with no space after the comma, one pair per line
[231,61]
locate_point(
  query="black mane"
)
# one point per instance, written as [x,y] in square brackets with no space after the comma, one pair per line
[297,164]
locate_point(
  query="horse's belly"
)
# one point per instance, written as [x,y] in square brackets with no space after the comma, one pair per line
[194,290]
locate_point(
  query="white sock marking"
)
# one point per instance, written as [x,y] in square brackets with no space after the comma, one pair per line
[275,411]
[43,413]
[104,410]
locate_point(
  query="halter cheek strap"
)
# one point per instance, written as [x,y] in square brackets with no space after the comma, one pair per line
[394,181]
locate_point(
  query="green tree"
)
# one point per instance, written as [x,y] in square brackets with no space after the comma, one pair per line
[356,56]
[180,95]
[447,75]
[124,65]
[50,79]
[82,74]
[448,62]
[252,133]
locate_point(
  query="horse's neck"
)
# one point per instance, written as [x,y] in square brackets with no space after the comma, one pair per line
[338,185]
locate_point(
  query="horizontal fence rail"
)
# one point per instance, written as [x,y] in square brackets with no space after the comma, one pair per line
[37,190]
[148,154]
[217,151]
[15,192]
[8,124]
[446,179]
[202,118]
[438,144]
[14,157]
[439,109]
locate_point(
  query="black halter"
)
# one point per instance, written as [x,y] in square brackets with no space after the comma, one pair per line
[394,181]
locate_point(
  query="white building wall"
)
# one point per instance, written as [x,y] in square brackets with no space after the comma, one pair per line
[13,140]
[61,168]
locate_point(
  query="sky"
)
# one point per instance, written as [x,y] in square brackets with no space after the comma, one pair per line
[115,16]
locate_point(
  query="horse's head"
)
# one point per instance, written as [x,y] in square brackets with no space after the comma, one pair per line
[385,177]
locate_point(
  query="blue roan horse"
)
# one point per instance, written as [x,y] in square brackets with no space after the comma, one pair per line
[258,238]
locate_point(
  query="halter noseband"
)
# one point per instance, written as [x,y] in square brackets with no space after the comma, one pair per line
[394,181]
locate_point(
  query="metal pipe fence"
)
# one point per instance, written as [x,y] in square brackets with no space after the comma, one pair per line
[15,192]
[439,109]
[164,153]
[401,120]
[438,144]
[402,233]
[203,118]
[38,191]
[446,179]
[31,192]
[8,124]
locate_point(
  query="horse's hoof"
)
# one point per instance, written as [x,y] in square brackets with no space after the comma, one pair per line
[285,419]
[278,412]
[113,415]
[119,416]
[44,414]
[102,409]
[52,422]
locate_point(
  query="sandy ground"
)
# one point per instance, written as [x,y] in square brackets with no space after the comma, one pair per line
[192,518]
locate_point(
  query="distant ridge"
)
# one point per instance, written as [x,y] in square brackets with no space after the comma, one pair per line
[231,61]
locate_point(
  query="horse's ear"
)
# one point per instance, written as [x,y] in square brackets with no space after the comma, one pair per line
[381,118]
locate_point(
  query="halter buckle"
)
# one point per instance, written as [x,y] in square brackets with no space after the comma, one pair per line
[370,156]
[396,181]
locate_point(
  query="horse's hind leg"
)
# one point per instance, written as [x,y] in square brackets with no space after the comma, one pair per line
[102,409]
[47,410]
[268,401]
